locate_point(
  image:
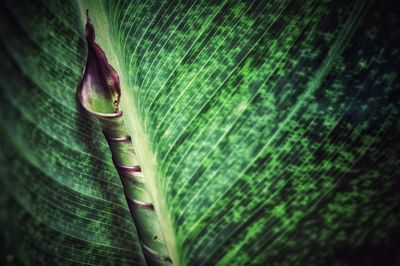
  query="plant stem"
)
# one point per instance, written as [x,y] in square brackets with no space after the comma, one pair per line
[99,93]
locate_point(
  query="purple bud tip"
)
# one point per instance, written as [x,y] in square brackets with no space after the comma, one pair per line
[99,91]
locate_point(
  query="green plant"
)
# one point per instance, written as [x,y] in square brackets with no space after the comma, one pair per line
[267,132]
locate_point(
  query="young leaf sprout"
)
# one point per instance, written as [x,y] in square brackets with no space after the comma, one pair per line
[99,93]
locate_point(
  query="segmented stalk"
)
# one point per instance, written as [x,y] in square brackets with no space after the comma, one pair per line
[99,93]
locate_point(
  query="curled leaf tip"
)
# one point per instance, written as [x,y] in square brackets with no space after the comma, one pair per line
[99,91]
[90,36]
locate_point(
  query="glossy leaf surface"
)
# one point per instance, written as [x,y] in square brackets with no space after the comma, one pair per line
[269,131]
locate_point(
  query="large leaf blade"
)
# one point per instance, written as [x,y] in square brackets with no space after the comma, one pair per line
[268,130]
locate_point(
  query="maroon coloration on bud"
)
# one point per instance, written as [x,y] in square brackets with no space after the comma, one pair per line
[99,91]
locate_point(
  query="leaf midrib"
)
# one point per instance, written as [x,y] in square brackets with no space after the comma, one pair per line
[132,120]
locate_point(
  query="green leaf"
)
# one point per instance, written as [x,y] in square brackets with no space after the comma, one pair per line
[267,132]
[99,94]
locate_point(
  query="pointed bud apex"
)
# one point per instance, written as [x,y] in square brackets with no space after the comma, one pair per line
[99,91]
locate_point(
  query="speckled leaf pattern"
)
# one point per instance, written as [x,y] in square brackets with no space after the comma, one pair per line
[273,126]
